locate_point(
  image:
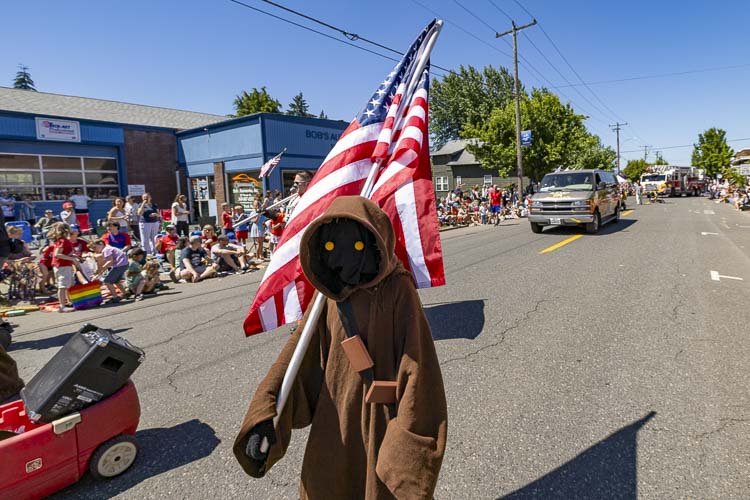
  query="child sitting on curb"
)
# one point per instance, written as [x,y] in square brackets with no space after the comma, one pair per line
[150,273]
[134,280]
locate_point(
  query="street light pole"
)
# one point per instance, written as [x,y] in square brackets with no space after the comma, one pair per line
[517,91]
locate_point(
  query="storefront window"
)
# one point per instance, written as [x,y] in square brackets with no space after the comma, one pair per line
[11,178]
[61,163]
[103,193]
[100,164]
[18,162]
[58,177]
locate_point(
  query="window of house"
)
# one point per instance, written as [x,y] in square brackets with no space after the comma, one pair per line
[441,183]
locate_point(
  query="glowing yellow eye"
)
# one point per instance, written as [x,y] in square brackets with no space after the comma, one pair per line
[329,246]
[359,246]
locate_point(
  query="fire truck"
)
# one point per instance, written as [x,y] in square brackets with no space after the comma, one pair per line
[668,180]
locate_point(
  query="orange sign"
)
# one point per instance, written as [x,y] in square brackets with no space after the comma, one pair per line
[245,178]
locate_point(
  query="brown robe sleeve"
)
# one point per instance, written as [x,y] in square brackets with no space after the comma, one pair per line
[412,450]
[10,382]
[299,408]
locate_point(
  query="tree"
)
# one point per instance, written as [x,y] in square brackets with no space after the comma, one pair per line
[634,169]
[23,79]
[257,101]
[299,107]
[712,153]
[323,115]
[559,138]
[465,99]
[660,160]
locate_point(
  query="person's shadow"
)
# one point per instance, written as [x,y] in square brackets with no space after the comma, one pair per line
[159,450]
[607,469]
[456,320]
[46,343]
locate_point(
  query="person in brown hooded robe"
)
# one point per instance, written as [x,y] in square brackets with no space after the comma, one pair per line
[10,382]
[356,449]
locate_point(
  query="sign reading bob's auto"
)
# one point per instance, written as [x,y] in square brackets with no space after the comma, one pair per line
[52,129]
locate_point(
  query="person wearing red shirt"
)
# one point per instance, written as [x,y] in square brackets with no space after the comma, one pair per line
[226,218]
[45,266]
[167,243]
[277,227]
[209,237]
[64,263]
[496,200]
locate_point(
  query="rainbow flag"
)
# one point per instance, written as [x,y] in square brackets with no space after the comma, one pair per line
[86,295]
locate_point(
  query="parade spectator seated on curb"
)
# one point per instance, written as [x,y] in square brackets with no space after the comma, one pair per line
[167,243]
[116,261]
[116,238]
[229,257]
[209,237]
[134,280]
[46,222]
[151,273]
[194,264]
[19,250]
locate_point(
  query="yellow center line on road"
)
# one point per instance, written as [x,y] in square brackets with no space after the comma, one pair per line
[561,244]
[627,212]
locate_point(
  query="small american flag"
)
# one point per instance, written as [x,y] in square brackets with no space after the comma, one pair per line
[268,166]
[391,130]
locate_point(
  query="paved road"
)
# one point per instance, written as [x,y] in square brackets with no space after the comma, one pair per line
[611,367]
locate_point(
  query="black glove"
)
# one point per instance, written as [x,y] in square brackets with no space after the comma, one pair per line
[254,442]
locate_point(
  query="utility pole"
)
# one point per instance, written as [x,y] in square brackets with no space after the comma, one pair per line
[517,91]
[645,151]
[616,127]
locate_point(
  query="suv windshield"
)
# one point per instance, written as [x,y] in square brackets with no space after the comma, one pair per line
[567,181]
[652,178]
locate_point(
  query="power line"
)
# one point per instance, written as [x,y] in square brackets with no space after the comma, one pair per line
[683,145]
[312,30]
[659,75]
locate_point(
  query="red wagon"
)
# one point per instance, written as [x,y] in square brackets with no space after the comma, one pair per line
[44,458]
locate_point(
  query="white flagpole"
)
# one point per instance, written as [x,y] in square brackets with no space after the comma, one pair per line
[316,308]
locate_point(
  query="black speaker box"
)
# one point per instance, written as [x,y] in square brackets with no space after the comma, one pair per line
[93,364]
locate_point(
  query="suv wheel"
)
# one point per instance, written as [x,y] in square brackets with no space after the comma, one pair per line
[536,228]
[593,227]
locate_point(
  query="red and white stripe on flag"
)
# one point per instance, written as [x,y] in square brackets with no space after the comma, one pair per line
[269,165]
[403,189]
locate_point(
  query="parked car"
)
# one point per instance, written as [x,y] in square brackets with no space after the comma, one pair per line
[586,198]
[40,459]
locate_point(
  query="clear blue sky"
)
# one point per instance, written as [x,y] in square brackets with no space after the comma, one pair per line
[198,54]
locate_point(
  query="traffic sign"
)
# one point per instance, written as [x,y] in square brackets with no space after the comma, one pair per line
[525,137]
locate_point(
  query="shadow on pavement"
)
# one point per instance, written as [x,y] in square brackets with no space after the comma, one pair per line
[47,343]
[604,230]
[606,470]
[159,450]
[456,320]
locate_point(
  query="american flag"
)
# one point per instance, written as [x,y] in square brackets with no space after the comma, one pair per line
[270,164]
[396,137]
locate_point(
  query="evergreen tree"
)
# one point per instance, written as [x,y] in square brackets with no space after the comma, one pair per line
[299,107]
[257,101]
[323,115]
[23,79]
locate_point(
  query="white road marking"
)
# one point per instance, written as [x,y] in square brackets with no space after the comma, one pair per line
[709,234]
[717,277]
[709,212]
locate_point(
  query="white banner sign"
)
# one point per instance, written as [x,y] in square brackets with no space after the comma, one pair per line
[52,129]
[136,189]
[745,170]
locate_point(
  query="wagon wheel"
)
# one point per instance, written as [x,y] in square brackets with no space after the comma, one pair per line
[113,457]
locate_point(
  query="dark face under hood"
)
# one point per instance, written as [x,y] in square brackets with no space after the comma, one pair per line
[350,246]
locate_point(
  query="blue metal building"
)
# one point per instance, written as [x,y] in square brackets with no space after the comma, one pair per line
[223,160]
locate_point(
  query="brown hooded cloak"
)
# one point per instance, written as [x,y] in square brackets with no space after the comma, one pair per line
[10,382]
[358,449]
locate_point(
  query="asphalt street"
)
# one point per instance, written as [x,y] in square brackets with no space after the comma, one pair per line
[614,366]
